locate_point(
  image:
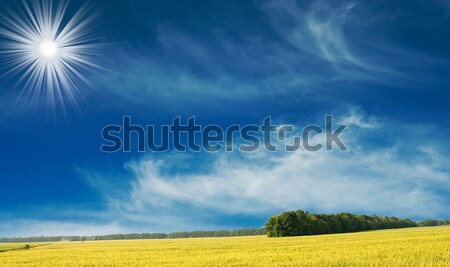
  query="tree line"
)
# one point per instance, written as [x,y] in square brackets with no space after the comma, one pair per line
[295,223]
[431,222]
[194,234]
[291,223]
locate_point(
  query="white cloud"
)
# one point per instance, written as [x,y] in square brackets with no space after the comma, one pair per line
[386,180]
[375,182]
[355,116]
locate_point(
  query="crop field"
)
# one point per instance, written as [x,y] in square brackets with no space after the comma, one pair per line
[421,246]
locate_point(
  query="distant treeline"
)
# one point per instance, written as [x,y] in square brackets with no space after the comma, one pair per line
[295,223]
[431,222]
[291,223]
[219,233]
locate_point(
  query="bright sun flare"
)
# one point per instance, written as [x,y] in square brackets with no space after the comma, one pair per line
[48,51]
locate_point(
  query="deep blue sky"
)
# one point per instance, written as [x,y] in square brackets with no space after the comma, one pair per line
[380,66]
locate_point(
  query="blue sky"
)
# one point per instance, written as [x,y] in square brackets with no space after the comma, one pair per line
[380,66]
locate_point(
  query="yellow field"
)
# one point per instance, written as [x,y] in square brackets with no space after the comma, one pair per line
[425,246]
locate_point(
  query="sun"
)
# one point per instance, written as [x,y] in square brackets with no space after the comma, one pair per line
[50,52]
[48,49]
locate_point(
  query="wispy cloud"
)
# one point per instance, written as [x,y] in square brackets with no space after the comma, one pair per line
[370,179]
[319,29]
[309,49]
[357,117]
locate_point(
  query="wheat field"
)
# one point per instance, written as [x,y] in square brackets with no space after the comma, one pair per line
[424,246]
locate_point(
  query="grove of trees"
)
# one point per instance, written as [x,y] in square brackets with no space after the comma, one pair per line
[295,223]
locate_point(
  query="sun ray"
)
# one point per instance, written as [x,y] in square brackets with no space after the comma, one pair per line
[48,52]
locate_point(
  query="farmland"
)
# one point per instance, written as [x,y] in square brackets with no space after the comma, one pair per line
[419,246]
